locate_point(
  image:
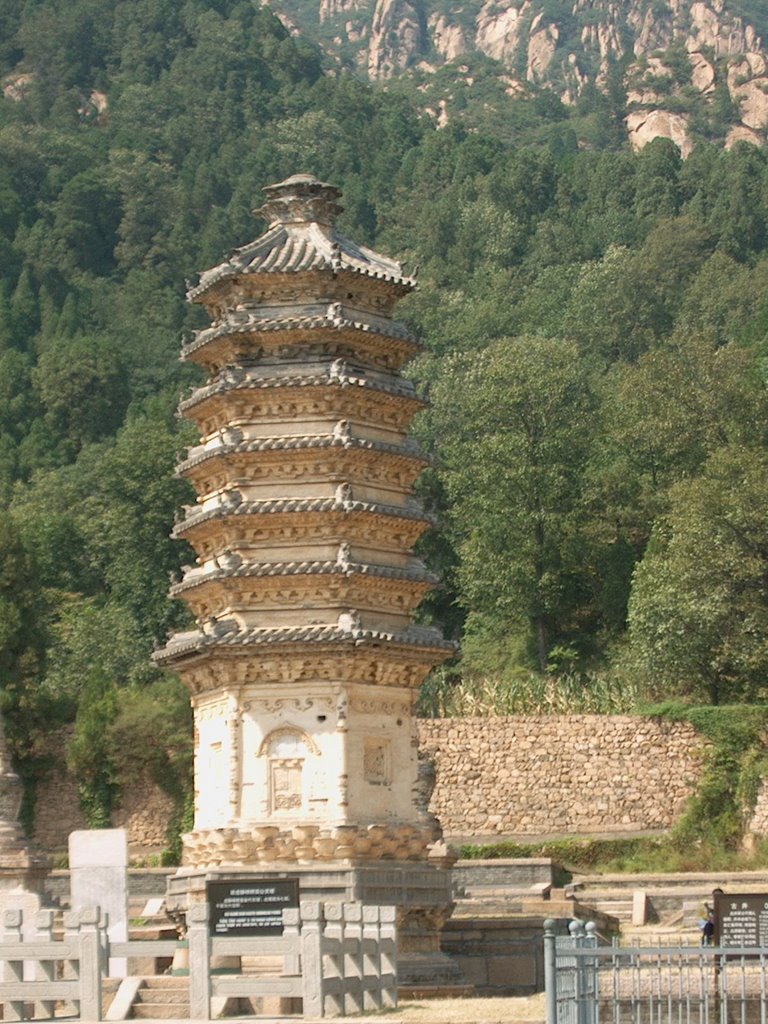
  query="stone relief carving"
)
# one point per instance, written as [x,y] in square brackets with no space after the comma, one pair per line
[379,706]
[285,784]
[288,740]
[377,761]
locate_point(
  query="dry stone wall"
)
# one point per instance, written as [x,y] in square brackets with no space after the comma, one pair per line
[518,776]
[144,809]
[560,775]
[758,823]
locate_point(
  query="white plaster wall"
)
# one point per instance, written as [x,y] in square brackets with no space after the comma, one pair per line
[212,767]
[324,756]
[384,718]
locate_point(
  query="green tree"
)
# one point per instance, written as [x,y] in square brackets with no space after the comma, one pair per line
[81,386]
[89,754]
[698,615]
[512,426]
[22,644]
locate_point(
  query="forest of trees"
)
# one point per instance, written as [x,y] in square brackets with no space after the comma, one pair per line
[597,331]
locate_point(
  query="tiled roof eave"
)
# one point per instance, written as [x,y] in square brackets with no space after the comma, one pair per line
[302,443]
[404,392]
[421,640]
[274,325]
[269,570]
[302,506]
[229,271]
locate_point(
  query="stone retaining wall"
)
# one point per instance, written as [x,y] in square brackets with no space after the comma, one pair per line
[560,775]
[144,809]
[519,776]
[758,823]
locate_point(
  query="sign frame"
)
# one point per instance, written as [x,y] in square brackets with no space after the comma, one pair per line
[741,920]
[249,907]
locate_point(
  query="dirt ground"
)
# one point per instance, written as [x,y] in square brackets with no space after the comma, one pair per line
[473,1010]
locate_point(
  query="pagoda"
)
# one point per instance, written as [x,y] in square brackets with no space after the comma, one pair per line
[305,663]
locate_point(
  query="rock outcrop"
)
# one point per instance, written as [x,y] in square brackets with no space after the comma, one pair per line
[690,59]
[396,38]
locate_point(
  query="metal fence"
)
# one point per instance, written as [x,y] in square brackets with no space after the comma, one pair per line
[589,983]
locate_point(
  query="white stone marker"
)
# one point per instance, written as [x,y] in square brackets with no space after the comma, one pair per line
[29,904]
[98,864]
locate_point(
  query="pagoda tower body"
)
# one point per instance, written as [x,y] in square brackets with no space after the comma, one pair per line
[305,663]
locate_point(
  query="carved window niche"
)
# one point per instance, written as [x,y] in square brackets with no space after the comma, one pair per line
[286,750]
[285,784]
[377,762]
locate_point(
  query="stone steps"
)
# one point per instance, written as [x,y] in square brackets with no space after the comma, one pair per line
[164,997]
[620,909]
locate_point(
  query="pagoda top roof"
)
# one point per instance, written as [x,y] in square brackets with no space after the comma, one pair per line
[301,212]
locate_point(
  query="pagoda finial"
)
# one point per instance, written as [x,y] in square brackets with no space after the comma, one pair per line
[301,199]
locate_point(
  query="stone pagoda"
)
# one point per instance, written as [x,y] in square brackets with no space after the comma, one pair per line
[305,664]
[23,869]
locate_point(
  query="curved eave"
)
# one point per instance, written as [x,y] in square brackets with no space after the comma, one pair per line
[279,327]
[421,644]
[305,443]
[305,250]
[301,507]
[404,394]
[342,570]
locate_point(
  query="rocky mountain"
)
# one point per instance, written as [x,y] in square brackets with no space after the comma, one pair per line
[686,68]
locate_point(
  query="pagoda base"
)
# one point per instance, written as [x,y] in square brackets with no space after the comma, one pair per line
[21,866]
[421,892]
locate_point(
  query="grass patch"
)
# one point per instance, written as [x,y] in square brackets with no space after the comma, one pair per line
[657,855]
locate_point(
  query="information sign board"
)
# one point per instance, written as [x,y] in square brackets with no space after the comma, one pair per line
[741,919]
[253,906]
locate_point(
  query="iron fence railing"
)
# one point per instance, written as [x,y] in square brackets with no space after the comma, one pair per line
[592,983]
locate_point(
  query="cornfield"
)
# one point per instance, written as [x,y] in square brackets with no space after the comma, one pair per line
[445,696]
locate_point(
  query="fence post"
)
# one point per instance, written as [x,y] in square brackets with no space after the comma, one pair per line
[592,975]
[332,949]
[388,955]
[353,958]
[13,970]
[371,958]
[199,962]
[90,954]
[550,971]
[292,959]
[45,970]
[311,958]
[71,967]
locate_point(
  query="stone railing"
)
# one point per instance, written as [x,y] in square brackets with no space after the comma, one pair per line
[43,971]
[338,958]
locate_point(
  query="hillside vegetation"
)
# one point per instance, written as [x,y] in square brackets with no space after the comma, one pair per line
[596,324]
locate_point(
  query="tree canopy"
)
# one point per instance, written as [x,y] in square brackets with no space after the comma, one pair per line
[596,325]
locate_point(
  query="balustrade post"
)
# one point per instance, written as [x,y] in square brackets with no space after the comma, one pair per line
[312,958]
[199,962]
[90,950]
[550,970]
[13,970]
[388,955]
[45,969]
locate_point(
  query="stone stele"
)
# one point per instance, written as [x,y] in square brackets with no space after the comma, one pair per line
[98,865]
[305,663]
